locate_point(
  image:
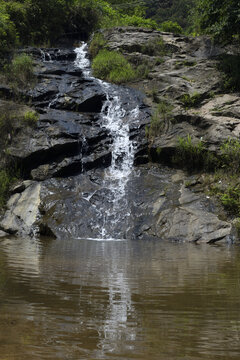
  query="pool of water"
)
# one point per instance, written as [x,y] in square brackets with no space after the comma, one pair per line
[87,299]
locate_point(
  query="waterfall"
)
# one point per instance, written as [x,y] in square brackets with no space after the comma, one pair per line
[46,57]
[115,118]
[82,60]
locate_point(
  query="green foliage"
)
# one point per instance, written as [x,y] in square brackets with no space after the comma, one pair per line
[230,155]
[226,185]
[8,33]
[189,155]
[138,21]
[189,101]
[20,70]
[113,67]
[18,13]
[194,156]
[112,17]
[129,8]
[170,26]
[231,199]
[6,180]
[40,21]
[82,16]
[44,21]
[30,118]
[160,118]
[97,43]
[229,65]
[220,18]
[169,10]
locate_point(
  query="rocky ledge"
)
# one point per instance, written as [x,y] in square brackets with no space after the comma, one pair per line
[63,158]
[189,68]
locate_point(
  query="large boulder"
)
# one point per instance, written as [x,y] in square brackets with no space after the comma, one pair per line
[22,210]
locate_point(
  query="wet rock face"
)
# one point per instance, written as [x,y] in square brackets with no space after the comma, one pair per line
[159,204]
[69,140]
[69,136]
[67,157]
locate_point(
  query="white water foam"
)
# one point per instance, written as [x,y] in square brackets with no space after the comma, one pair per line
[116,120]
[46,57]
[82,61]
[100,239]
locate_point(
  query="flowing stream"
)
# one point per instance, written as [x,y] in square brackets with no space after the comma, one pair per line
[116,119]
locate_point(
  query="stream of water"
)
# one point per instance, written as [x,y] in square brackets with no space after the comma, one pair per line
[116,119]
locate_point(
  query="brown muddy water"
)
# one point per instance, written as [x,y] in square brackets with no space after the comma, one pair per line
[118,300]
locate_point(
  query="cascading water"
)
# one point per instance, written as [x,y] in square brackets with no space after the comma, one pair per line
[82,60]
[115,118]
[46,57]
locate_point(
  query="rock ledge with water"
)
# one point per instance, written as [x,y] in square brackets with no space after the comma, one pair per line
[85,164]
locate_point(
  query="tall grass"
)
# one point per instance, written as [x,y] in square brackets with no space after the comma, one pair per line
[20,71]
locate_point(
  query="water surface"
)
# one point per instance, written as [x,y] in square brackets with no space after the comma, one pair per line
[83,299]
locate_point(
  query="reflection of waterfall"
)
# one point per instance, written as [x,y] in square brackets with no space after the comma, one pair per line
[118,329]
[115,328]
[113,212]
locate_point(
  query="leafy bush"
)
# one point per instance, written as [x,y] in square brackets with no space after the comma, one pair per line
[19,14]
[98,42]
[113,67]
[82,16]
[219,18]
[8,33]
[174,10]
[170,26]
[230,155]
[112,17]
[225,186]
[231,199]
[20,71]
[189,101]
[138,21]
